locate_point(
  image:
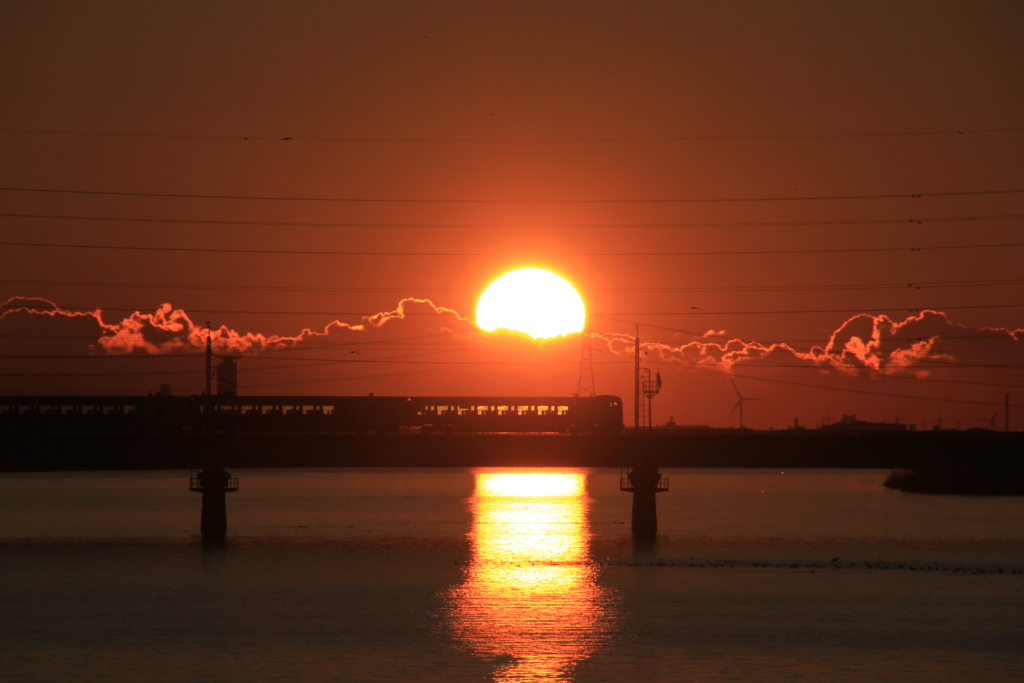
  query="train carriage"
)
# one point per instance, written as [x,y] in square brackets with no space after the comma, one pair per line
[321,414]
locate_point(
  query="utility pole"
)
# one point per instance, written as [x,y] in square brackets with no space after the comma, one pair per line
[636,384]
[209,360]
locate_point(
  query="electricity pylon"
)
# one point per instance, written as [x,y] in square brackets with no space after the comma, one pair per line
[586,383]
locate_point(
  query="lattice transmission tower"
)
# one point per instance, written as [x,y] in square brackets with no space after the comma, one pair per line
[586,383]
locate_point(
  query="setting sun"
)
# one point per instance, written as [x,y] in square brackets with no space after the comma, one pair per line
[533,301]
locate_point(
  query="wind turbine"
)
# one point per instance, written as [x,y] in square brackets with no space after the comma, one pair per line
[739,403]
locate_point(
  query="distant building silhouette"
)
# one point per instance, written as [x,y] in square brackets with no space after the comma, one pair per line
[851,423]
[227,377]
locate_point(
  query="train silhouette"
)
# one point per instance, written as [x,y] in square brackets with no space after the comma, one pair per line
[328,414]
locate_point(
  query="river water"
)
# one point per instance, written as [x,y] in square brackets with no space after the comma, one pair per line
[507,575]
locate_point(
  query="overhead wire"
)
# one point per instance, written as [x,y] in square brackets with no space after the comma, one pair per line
[408,200]
[618,316]
[480,226]
[463,254]
[867,392]
[404,360]
[932,284]
[949,132]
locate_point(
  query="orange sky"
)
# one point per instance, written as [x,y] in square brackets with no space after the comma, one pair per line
[513,128]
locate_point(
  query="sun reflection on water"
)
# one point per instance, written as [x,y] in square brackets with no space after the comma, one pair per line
[530,598]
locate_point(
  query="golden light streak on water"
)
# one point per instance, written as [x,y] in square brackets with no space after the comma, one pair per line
[530,600]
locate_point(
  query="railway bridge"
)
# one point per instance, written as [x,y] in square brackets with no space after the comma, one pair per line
[640,455]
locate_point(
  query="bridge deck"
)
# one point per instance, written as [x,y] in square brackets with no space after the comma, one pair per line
[776,449]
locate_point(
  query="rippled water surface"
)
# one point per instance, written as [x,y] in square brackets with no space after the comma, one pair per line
[507,575]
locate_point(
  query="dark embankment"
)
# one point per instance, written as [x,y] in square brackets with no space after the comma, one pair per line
[983,481]
[957,451]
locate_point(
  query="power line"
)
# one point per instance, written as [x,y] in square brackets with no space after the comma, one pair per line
[402,360]
[551,139]
[338,378]
[816,342]
[394,200]
[611,316]
[823,310]
[821,288]
[464,254]
[938,284]
[849,390]
[479,226]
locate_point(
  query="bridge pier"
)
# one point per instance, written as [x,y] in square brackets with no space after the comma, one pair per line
[214,483]
[644,482]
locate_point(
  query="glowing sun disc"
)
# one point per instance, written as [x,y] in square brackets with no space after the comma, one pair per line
[533,301]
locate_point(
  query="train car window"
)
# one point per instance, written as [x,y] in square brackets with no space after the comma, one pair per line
[542,410]
[562,410]
[129,409]
[328,410]
[502,410]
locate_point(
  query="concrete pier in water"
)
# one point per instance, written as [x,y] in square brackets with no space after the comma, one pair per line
[644,482]
[214,483]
